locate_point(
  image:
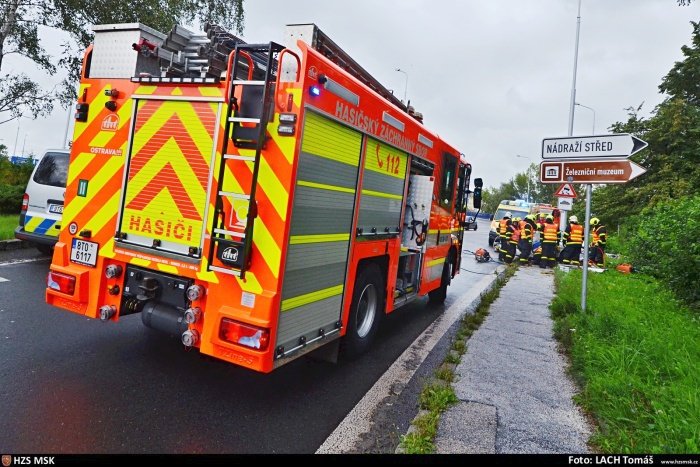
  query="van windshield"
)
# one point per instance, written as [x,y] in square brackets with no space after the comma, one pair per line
[514,212]
[53,169]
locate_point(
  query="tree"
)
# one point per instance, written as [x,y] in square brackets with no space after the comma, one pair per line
[19,34]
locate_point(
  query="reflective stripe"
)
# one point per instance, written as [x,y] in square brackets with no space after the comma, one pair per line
[436,262]
[311,297]
[320,238]
[576,234]
[323,186]
[381,195]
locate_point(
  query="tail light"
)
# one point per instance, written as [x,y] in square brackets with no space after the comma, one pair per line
[64,283]
[25,202]
[244,334]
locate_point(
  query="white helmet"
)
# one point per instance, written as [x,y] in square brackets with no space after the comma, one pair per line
[508,214]
[573,219]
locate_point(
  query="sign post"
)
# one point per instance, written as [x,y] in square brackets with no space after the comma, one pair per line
[588,160]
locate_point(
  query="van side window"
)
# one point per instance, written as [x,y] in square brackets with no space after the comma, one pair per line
[52,170]
[447,185]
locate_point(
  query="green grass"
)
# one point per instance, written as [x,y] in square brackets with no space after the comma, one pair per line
[636,356]
[438,394]
[8,223]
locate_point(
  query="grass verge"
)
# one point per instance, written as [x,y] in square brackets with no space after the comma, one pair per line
[635,355]
[8,223]
[437,395]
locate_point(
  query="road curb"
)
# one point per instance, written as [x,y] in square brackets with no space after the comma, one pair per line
[499,274]
[13,244]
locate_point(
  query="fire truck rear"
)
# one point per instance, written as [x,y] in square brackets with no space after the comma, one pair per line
[256,200]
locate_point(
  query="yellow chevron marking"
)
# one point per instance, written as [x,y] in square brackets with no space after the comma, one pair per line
[323,186]
[436,262]
[250,284]
[78,164]
[176,92]
[311,297]
[379,194]
[140,262]
[268,181]
[322,238]
[210,91]
[167,268]
[98,222]
[78,203]
[144,89]
[271,253]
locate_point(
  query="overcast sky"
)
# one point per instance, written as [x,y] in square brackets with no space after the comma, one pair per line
[491,77]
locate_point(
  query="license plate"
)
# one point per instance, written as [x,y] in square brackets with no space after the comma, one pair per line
[84,252]
[56,208]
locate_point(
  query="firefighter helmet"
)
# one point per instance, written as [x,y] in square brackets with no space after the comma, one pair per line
[595,221]
[482,256]
[573,219]
[507,214]
[550,217]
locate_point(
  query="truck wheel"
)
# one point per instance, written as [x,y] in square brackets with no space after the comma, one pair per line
[366,311]
[439,295]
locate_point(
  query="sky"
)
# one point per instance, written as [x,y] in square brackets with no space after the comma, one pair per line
[491,77]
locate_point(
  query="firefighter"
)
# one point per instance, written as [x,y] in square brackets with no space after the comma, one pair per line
[503,234]
[525,243]
[600,237]
[550,232]
[513,239]
[573,240]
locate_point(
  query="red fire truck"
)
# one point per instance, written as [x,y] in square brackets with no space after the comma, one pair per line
[257,200]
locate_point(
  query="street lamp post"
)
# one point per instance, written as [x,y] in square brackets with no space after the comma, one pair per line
[405,87]
[527,173]
[592,110]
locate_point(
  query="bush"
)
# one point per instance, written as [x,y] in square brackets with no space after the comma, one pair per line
[11,198]
[666,246]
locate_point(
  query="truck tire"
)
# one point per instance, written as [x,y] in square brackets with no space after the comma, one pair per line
[366,311]
[439,295]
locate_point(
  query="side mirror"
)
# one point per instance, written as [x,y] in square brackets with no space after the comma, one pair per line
[478,183]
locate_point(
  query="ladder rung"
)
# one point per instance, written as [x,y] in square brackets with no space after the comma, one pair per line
[247,82]
[233,272]
[236,157]
[234,195]
[229,232]
[244,120]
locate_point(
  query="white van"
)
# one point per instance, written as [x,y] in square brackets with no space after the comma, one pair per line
[42,205]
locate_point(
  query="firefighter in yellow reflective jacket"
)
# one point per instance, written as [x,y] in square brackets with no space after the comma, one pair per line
[513,238]
[600,237]
[550,232]
[573,240]
[504,235]
[527,227]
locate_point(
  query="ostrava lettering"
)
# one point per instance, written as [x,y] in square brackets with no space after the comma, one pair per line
[170,229]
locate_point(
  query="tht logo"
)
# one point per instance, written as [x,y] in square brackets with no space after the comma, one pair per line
[313,73]
[230,254]
[110,122]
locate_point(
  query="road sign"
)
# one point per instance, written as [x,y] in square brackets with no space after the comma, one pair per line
[566,191]
[618,145]
[590,171]
[565,204]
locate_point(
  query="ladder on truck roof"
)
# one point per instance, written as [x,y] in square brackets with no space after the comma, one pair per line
[318,40]
[246,128]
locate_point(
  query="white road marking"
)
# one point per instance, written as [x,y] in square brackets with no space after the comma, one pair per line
[2,279]
[359,420]
[21,261]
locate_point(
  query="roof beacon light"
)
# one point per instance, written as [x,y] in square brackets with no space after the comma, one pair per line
[315,91]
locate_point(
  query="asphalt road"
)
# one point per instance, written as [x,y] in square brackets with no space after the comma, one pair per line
[69,384]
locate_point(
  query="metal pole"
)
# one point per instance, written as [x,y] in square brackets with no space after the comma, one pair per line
[65,135]
[24,144]
[587,231]
[573,82]
[405,87]
[14,153]
[592,110]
